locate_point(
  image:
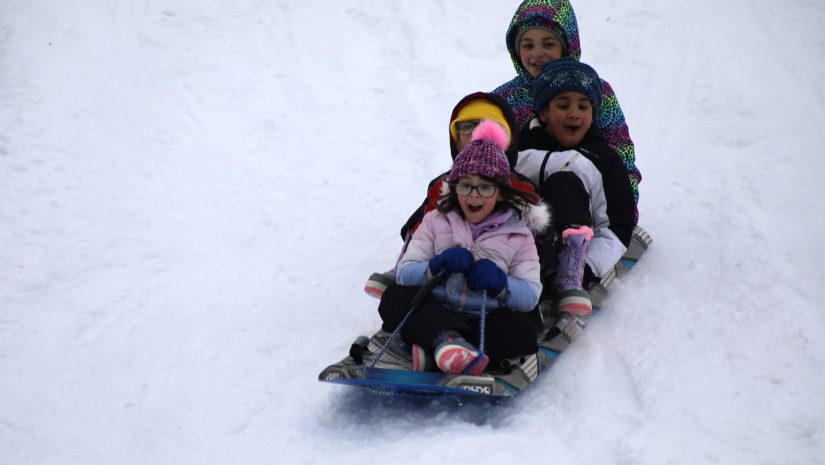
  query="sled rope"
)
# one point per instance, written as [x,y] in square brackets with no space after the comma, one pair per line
[417,300]
[482,323]
[392,337]
[481,327]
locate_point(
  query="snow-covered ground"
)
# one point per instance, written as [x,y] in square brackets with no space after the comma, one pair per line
[193,193]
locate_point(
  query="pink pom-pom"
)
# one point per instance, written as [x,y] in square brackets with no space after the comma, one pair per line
[489,129]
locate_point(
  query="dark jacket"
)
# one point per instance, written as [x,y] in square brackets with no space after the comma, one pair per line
[621,208]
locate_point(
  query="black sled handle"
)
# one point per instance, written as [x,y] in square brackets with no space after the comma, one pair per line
[425,290]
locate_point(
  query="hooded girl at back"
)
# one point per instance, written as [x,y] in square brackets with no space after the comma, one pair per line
[545,30]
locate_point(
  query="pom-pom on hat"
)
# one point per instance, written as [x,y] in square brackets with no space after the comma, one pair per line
[565,75]
[484,156]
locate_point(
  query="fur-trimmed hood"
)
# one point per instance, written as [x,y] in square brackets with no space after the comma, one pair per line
[538,218]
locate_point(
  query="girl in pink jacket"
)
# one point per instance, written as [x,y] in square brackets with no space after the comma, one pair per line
[481,235]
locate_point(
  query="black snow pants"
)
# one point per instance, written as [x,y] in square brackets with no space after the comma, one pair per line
[508,333]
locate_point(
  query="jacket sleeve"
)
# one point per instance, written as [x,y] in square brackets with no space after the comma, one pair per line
[413,266]
[621,208]
[614,129]
[522,296]
[524,278]
[605,248]
[604,251]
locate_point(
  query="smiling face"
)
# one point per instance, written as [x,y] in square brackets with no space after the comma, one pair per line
[475,207]
[537,47]
[567,117]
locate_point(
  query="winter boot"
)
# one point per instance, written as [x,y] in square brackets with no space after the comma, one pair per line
[572,298]
[574,301]
[571,262]
[422,361]
[454,355]
[378,283]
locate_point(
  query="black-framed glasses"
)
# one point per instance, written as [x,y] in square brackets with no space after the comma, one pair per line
[466,127]
[484,190]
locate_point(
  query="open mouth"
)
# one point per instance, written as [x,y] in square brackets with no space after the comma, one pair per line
[536,65]
[474,208]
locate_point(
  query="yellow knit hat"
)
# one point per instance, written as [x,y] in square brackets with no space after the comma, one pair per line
[478,109]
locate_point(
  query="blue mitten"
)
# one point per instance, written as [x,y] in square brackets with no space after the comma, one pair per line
[484,274]
[455,260]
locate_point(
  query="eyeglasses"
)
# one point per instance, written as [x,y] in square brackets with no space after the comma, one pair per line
[484,190]
[466,127]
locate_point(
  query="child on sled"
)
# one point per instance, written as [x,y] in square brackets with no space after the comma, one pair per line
[466,115]
[579,175]
[545,30]
[481,235]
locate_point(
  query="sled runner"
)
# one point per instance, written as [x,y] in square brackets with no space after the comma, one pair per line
[383,363]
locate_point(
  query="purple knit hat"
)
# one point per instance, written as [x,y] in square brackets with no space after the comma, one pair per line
[485,154]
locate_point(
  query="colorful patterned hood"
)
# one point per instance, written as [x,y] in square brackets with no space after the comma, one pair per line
[557,15]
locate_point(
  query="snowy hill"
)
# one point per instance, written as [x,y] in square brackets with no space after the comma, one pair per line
[193,194]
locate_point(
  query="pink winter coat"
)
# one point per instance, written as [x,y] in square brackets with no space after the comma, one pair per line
[511,246]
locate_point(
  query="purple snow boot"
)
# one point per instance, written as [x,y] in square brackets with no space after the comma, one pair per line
[572,298]
[571,262]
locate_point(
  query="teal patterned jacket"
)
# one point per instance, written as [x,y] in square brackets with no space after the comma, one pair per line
[559,16]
